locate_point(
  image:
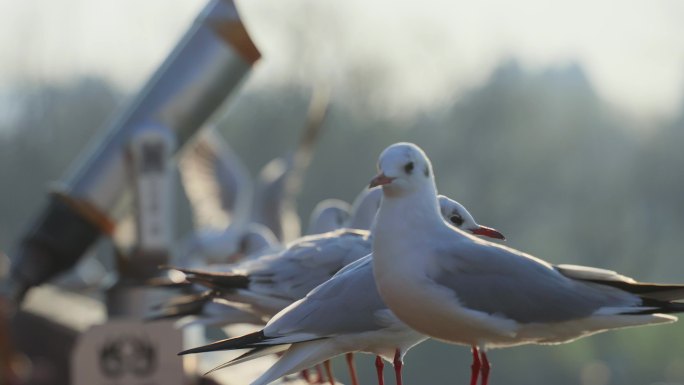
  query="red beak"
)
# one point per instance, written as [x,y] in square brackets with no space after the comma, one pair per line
[488,232]
[380,180]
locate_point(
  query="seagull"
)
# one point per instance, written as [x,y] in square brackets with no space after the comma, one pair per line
[223,198]
[272,282]
[265,284]
[342,315]
[216,182]
[219,189]
[206,248]
[280,181]
[457,288]
[329,215]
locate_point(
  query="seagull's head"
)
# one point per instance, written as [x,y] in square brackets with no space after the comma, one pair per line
[256,238]
[403,168]
[328,215]
[458,216]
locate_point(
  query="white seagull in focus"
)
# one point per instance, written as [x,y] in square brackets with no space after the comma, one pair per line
[457,288]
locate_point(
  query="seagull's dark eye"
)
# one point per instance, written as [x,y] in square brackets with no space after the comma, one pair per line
[409,167]
[456,220]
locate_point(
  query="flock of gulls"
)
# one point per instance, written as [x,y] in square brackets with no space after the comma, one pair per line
[400,265]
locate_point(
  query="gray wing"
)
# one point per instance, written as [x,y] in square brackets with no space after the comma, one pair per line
[216,182]
[347,303]
[498,280]
[358,264]
[305,264]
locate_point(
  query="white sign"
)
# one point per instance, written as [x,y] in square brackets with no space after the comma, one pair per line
[129,352]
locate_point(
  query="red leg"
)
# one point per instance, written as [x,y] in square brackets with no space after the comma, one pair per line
[306,376]
[398,364]
[475,367]
[319,372]
[379,366]
[329,372]
[352,368]
[485,368]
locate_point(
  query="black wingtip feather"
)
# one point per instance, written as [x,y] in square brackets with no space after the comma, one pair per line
[243,342]
[214,280]
[656,291]
[192,304]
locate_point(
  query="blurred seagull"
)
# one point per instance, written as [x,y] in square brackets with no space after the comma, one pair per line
[265,284]
[365,207]
[216,181]
[342,315]
[280,181]
[207,304]
[222,197]
[220,192]
[457,288]
[329,215]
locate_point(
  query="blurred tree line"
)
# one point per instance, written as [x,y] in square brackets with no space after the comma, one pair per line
[538,155]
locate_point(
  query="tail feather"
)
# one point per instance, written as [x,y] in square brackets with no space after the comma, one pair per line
[254,353]
[652,291]
[658,307]
[655,298]
[244,342]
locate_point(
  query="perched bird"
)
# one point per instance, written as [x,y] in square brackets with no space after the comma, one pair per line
[342,315]
[329,215]
[272,282]
[208,248]
[263,285]
[447,284]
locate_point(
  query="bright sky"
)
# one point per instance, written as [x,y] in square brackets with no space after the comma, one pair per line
[419,52]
